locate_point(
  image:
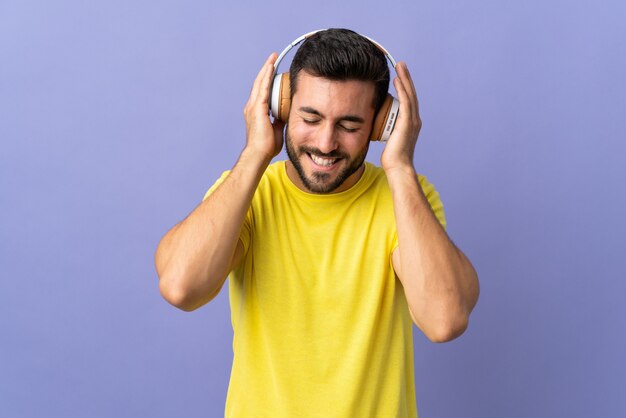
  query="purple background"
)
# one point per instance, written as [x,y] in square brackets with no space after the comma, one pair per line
[115,117]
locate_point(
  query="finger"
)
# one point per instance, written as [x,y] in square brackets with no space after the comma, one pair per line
[266,82]
[278,126]
[263,73]
[409,89]
[411,85]
[254,92]
[406,71]
[404,99]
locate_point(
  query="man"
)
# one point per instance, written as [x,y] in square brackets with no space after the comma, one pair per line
[332,259]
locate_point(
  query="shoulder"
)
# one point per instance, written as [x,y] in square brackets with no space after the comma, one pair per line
[272,175]
[378,177]
[274,172]
[428,188]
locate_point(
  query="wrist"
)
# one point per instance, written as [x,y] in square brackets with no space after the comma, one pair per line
[254,159]
[399,167]
[256,156]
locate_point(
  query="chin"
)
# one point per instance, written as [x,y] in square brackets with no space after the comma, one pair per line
[320,179]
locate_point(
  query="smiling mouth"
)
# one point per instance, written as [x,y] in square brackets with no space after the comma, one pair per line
[323,161]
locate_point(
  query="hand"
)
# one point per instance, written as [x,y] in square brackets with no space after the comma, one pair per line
[262,136]
[400,147]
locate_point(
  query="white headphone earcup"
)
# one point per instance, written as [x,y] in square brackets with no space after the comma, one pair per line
[280,99]
[275,95]
[385,119]
[390,122]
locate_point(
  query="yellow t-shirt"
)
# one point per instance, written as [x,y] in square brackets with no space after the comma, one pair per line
[321,323]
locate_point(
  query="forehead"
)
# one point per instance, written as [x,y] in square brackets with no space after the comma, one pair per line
[334,98]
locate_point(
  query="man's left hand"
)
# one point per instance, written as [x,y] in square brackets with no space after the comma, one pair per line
[400,147]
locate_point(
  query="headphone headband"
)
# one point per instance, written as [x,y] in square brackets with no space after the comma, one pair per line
[306,35]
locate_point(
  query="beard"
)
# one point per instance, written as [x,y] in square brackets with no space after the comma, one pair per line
[319,181]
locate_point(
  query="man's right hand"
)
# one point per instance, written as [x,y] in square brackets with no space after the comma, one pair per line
[263,138]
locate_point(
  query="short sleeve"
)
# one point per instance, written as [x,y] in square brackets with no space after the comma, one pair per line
[433,199]
[244,235]
[435,205]
[216,184]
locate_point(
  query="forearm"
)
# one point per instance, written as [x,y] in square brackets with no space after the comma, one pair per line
[195,256]
[440,284]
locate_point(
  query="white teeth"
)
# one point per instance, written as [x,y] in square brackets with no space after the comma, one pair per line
[326,162]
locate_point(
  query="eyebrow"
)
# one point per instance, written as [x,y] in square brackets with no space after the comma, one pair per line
[349,118]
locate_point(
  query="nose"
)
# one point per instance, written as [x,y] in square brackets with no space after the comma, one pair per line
[327,140]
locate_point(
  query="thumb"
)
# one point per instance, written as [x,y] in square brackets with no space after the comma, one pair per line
[278,125]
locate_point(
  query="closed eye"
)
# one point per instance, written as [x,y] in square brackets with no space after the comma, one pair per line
[345,128]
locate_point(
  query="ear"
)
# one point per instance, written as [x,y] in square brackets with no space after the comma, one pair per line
[280,97]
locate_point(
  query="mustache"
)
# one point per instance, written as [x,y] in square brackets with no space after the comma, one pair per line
[318,153]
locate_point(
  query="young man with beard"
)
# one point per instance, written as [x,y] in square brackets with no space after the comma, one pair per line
[332,259]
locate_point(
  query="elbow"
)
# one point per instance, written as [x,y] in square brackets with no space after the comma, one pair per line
[170,287]
[184,289]
[447,332]
[177,296]
[188,294]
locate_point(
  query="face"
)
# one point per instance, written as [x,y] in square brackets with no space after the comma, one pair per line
[327,136]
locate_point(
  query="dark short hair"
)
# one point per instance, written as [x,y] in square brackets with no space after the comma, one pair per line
[342,54]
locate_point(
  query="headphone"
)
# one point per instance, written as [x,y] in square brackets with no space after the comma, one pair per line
[280,98]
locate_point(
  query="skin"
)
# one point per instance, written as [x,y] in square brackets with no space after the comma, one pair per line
[328,119]
[332,120]
[440,283]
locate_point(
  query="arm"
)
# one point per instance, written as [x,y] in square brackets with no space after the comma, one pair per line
[440,283]
[194,258]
